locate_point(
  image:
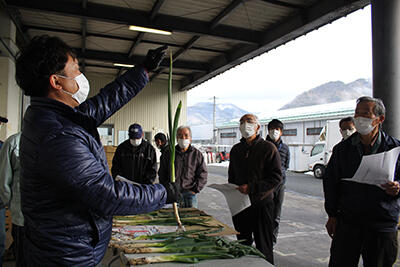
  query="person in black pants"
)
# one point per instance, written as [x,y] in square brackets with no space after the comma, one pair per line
[255,166]
[275,130]
[363,217]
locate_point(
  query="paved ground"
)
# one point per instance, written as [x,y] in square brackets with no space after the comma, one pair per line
[302,240]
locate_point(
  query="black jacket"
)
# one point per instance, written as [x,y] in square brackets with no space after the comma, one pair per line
[284,153]
[139,165]
[257,165]
[164,149]
[359,203]
[68,195]
[190,169]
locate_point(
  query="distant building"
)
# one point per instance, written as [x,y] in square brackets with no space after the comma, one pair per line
[302,126]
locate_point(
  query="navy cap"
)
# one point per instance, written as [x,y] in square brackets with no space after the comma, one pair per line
[135,131]
[2,119]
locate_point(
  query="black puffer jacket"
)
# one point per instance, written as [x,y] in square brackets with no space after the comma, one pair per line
[68,194]
[139,165]
[257,165]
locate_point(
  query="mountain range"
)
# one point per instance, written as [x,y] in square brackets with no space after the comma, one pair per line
[200,116]
[331,92]
[202,113]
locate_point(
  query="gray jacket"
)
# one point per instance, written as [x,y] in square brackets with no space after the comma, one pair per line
[190,169]
[9,178]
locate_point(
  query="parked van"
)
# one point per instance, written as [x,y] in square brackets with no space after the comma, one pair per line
[322,149]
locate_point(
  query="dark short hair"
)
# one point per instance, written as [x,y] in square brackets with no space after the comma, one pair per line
[275,123]
[43,57]
[161,137]
[347,119]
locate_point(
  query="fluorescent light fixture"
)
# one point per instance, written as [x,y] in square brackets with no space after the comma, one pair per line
[150,30]
[124,65]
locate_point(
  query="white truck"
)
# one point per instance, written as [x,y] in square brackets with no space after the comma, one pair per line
[322,149]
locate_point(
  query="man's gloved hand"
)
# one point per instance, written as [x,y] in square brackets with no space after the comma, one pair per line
[154,58]
[173,192]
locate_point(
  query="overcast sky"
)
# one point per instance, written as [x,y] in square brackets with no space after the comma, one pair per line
[340,51]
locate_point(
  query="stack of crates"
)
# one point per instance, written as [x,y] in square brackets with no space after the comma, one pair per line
[110,150]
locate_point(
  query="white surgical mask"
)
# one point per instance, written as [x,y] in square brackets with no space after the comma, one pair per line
[347,133]
[247,129]
[274,134]
[363,125]
[183,143]
[135,142]
[83,88]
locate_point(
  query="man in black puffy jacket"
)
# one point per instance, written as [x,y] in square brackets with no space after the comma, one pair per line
[68,195]
[135,159]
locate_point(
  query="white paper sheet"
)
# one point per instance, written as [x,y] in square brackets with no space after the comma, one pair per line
[377,169]
[236,200]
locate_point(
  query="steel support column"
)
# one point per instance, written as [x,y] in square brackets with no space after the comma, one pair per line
[386,60]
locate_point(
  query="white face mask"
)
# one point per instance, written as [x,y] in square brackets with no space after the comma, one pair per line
[247,129]
[183,143]
[83,88]
[274,134]
[347,133]
[364,125]
[135,142]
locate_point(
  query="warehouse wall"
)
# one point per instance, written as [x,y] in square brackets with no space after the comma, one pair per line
[149,108]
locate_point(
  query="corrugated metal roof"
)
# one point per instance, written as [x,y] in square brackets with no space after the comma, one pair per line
[208,36]
[257,15]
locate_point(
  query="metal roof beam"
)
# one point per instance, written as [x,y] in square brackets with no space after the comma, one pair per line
[157,6]
[114,57]
[284,4]
[140,18]
[313,17]
[225,13]
[84,30]
[13,14]
[153,13]
[221,16]
[116,68]
[107,36]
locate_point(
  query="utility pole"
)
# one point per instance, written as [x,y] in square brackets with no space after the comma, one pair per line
[214,122]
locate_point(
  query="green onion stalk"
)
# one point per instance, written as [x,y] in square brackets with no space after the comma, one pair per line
[172,137]
[186,258]
[191,250]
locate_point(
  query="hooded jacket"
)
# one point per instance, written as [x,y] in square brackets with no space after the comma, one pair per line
[257,165]
[138,164]
[68,195]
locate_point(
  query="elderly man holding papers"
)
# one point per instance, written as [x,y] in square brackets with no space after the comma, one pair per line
[363,214]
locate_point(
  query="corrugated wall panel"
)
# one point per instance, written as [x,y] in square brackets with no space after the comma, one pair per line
[149,108]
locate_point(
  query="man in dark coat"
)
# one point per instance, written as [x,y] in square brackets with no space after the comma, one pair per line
[135,159]
[68,195]
[275,130]
[255,166]
[362,217]
[190,168]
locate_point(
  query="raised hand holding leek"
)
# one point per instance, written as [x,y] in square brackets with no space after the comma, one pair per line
[172,137]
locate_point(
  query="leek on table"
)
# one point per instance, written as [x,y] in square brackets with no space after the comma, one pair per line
[186,258]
